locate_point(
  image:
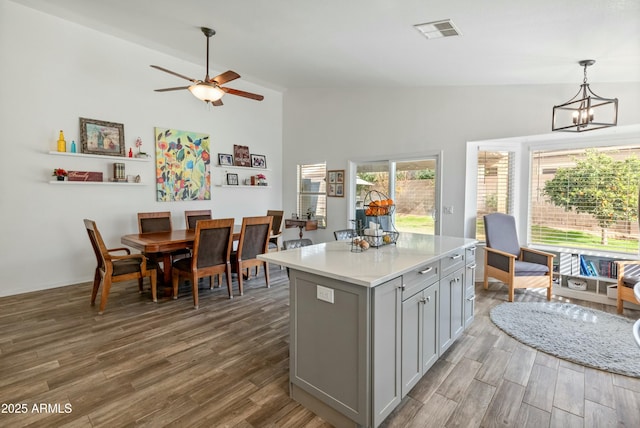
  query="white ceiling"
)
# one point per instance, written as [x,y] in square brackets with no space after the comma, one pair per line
[368,43]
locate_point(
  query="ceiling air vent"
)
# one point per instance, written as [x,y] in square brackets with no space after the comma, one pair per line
[437,29]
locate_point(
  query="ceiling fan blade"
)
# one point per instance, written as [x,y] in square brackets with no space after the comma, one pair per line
[174,73]
[243,94]
[225,77]
[177,88]
[217,103]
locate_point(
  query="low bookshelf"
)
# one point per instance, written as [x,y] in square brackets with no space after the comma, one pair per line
[588,275]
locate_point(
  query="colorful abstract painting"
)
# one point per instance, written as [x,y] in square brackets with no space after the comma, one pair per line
[183,167]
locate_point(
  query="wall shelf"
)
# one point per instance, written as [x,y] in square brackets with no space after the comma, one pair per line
[242,168]
[103,157]
[105,183]
[244,186]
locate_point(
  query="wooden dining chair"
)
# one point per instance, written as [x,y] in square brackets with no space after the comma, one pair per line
[254,240]
[275,240]
[113,268]
[159,222]
[211,256]
[628,277]
[192,217]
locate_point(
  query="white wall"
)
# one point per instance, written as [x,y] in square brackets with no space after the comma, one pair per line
[53,72]
[345,124]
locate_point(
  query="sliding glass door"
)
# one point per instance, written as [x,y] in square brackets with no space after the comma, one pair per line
[413,186]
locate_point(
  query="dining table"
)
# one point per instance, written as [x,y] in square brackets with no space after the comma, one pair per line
[165,243]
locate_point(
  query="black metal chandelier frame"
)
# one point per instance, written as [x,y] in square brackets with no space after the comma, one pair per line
[586,111]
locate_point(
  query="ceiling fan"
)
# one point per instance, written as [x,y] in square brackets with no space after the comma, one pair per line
[210,90]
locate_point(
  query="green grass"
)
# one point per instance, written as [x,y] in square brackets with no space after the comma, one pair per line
[546,235]
[414,223]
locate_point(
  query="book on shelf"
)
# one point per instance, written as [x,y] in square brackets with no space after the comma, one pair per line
[584,268]
[592,268]
[608,268]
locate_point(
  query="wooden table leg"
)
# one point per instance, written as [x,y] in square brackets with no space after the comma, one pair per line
[166,264]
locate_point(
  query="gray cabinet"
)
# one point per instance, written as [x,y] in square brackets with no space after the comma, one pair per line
[345,348]
[386,351]
[355,351]
[451,305]
[469,286]
[419,335]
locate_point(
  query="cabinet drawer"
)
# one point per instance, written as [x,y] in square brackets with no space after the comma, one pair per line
[419,278]
[470,255]
[452,262]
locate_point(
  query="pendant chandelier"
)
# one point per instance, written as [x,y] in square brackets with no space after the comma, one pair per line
[586,111]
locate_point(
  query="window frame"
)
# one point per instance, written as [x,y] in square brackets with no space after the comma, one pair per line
[436,156]
[300,193]
[524,147]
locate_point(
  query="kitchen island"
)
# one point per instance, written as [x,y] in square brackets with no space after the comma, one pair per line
[366,326]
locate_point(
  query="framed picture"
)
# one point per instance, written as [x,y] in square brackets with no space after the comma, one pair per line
[258,161]
[225,159]
[101,138]
[232,179]
[335,183]
[241,156]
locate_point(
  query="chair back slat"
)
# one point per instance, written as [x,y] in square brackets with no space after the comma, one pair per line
[154,222]
[254,237]
[96,242]
[296,243]
[344,234]
[276,223]
[192,217]
[213,244]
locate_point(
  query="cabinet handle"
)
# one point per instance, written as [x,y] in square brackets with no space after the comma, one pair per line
[472,298]
[427,270]
[425,300]
[402,287]
[473,266]
[456,257]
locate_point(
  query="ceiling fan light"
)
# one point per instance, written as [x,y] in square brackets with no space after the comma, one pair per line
[205,92]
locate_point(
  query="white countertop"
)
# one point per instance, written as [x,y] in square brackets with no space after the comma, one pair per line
[372,267]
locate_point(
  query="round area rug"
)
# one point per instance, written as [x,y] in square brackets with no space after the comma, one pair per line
[582,335]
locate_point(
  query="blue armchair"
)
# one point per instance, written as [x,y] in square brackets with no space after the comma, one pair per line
[506,261]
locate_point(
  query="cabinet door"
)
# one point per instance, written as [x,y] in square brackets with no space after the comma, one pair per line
[451,309]
[444,316]
[429,326]
[457,304]
[469,294]
[411,346]
[385,339]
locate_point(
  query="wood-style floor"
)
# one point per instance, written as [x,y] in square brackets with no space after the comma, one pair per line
[226,364]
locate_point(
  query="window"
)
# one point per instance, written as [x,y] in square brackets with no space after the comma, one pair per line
[586,198]
[494,188]
[312,191]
